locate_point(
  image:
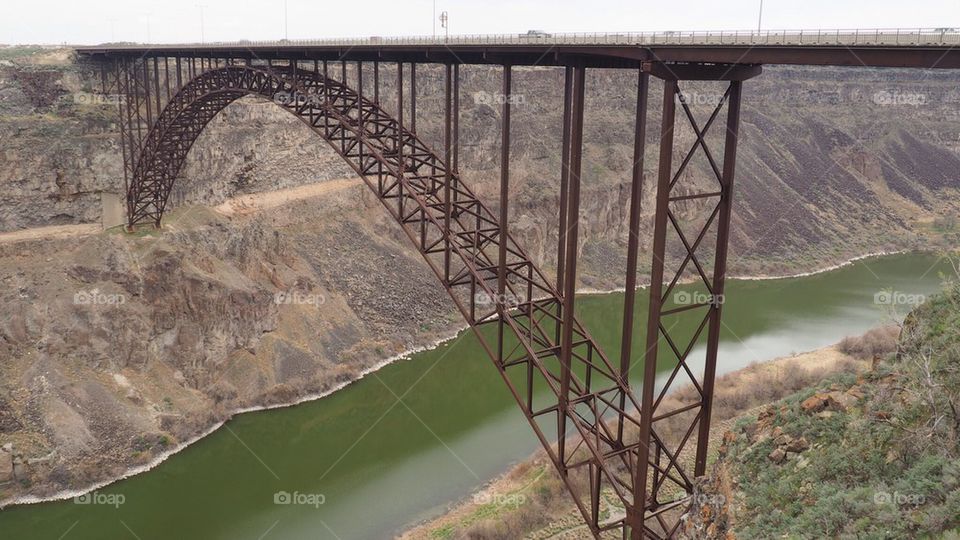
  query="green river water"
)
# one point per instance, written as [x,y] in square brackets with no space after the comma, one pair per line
[378,464]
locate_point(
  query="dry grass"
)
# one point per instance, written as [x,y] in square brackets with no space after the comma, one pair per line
[876,343]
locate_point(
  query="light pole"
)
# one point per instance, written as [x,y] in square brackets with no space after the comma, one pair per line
[444,20]
[202,37]
[434,19]
[286,23]
[760,18]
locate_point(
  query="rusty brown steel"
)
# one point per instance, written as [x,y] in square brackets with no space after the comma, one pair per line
[546,357]
[633,232]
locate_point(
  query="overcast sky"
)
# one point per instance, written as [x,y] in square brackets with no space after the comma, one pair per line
[98,21]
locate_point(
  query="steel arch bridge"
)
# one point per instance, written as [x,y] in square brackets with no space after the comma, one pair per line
[609,442]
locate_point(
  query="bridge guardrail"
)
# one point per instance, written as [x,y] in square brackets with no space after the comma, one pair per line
[818,37]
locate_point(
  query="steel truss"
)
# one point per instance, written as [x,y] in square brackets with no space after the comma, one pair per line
[608,444]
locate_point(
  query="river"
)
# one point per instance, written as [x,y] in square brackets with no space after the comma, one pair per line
[402,443]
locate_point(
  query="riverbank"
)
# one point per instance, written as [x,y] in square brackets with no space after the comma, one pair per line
[244,410]
[440,413]
[262,406]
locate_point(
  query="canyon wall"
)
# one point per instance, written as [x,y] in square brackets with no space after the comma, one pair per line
[115,347]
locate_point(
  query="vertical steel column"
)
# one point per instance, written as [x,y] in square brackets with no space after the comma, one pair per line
[326,86]
[504,204]
[166,75]
[376,82]
[455,163]
[361,123]
[633,241]
[179,74]
[448,176]
[570,266]
[564,182]
[400,115]
[719,271]
[156,84]
[635,514]
[413,98]
[564,174]
[146,91]
[401,161]
[359,78]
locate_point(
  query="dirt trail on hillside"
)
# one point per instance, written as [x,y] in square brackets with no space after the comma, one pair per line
[52,231]
[236,206]
[258,202]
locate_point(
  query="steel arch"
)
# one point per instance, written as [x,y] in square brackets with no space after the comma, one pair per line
[539,348]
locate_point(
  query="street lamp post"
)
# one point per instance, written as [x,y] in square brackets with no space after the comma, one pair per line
[760,18]
[202,37]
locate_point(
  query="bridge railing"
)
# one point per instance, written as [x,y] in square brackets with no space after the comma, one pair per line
[818,37]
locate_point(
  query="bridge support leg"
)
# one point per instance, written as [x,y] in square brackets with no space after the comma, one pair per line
[633,239]
[571,228]
[642,498]
[719,272]
[448,176]
[656,456]
[455,164]
[504,206]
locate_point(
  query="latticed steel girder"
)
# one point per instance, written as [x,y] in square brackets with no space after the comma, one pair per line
[608,440]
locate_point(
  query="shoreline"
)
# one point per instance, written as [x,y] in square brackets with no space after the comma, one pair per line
[160,458]
[831,268]
[163,456]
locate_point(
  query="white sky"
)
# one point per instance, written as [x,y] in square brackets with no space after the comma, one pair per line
[98,21]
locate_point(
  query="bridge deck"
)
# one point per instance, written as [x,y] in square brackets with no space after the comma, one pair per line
[918,48]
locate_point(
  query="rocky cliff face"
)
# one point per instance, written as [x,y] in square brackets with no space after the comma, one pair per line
[832,162]
[116,347]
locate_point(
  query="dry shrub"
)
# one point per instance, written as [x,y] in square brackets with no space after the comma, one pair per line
[41,87]
[737,393]
[878,342]
[548,496]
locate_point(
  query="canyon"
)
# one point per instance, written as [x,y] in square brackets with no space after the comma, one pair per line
[116,348]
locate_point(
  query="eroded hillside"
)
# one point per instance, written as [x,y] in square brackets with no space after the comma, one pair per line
[116,348]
